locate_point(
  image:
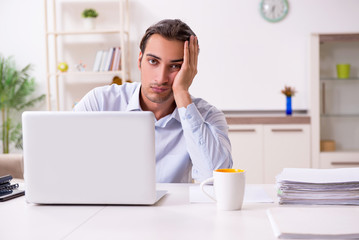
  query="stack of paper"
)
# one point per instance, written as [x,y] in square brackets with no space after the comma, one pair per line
[319,186]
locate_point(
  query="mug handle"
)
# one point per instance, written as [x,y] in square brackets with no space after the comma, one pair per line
[202,187]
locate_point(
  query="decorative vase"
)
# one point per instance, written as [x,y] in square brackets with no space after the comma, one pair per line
[89,23]
[343,71]
[288,110]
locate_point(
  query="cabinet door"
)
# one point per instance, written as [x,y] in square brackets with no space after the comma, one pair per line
[285,146]
[339,159]
[247,150]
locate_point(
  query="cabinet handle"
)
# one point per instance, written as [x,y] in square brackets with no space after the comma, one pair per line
[288,130]
[345,163]
[242,130]
[323,98]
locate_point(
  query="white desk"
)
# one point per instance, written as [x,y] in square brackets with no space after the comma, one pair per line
[173,217]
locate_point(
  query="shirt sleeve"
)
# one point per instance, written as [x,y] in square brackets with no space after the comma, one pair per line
[88,103]
[207,140]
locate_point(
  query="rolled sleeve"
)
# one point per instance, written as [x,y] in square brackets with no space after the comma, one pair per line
[207,143]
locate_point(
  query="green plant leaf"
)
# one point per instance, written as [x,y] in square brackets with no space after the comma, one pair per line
[89,13]
[16,90]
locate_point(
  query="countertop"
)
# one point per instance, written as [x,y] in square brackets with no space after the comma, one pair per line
[266,117]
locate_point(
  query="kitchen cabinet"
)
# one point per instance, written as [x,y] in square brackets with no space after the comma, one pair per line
[247,150]
[263,150]
[285,146]
[334,102]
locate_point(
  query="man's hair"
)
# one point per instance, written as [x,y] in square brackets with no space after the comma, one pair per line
[171,29]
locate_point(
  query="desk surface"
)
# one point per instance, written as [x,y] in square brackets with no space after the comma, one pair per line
[173,217]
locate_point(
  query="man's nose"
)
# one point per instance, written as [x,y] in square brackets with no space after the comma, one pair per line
[162,75]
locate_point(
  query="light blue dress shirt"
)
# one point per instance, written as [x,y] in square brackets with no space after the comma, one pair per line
[190,143]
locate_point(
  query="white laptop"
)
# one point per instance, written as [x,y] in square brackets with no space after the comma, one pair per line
[89,158]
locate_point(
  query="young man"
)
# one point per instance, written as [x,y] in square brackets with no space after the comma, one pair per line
[191,135]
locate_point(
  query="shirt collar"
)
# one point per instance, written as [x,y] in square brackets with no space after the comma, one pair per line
[175,115]
[165,120]
[134,103]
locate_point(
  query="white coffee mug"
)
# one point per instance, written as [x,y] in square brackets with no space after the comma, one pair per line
[228,188]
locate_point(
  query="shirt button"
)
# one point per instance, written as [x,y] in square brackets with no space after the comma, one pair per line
[189,116]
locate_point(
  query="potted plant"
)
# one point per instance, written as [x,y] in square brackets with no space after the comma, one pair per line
[89,16]
[16,88]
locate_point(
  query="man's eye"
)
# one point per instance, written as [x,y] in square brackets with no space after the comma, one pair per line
[176,66]
[152,61]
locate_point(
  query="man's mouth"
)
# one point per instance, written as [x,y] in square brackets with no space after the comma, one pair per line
[159,89]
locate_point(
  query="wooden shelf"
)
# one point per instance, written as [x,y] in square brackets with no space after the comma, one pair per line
[70,51]
[113,31]
[340,37]
[86,73]
[331,79]
[348,115]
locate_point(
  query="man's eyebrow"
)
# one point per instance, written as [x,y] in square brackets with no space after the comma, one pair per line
[172,61]
[177,60]
[154,56]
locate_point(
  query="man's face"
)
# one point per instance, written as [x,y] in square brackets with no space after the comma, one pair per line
[159,65]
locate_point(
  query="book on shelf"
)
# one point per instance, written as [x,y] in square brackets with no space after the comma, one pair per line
[117,60]
[108,60]
[96,65]
[103,61]
[115,56]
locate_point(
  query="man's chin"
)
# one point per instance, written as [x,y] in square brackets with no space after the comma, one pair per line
[157,98]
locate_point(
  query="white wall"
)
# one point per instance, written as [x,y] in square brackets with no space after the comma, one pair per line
[244,60]
[22,36]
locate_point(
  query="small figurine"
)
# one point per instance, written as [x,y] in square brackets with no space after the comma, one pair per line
[116,80]
[81,67]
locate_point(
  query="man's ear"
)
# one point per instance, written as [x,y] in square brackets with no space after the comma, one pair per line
[139,60]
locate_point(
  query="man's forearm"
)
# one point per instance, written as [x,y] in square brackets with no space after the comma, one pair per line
[182,98]
[207,142]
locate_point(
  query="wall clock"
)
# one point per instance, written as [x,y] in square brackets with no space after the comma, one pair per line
[274,10]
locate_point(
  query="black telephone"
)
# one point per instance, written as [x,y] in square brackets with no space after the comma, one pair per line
[9,190]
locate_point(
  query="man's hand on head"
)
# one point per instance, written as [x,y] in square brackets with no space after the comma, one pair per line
[185,76]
